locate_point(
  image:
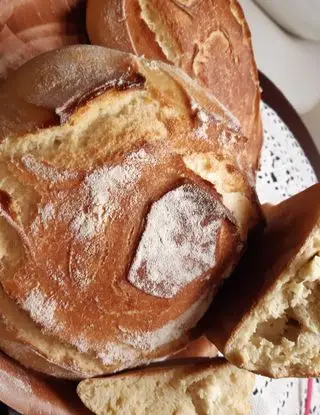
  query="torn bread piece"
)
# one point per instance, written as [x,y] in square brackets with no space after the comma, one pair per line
[266,318]
[210,387]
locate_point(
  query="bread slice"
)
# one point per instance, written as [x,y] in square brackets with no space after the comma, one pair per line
[210,41]
[103,156]
[210,388]
[266,318]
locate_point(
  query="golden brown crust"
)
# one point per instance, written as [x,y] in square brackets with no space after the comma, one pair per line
[212,43]
[32,394]
[78,324]
[71,272]
[289,224]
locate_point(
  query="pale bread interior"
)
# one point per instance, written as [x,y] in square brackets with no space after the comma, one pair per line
[189,390]
[280,336]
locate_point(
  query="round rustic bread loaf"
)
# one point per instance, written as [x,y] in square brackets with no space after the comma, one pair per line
[122,207]
[209,40]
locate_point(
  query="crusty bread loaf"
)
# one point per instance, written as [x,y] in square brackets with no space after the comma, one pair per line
[209,40]
[266,318]
[31,27]
[30,393]
[121,210]
[211,387]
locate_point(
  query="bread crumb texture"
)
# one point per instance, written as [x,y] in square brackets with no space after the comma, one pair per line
[191,390]
[280,336]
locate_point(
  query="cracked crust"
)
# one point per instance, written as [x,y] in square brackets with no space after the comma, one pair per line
[65,292]
[209,40]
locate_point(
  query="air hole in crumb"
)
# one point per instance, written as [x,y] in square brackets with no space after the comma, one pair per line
[271,330]
[57,143]
[292,329]
[274,330]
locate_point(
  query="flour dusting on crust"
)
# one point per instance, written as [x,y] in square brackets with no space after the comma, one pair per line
[178,243]
[44,171]
[149,341]
[203,118]
[85,211]
[101,191]
[20,383]
[114,352]
[41,308]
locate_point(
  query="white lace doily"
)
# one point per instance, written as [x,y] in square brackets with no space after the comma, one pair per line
[284,171]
